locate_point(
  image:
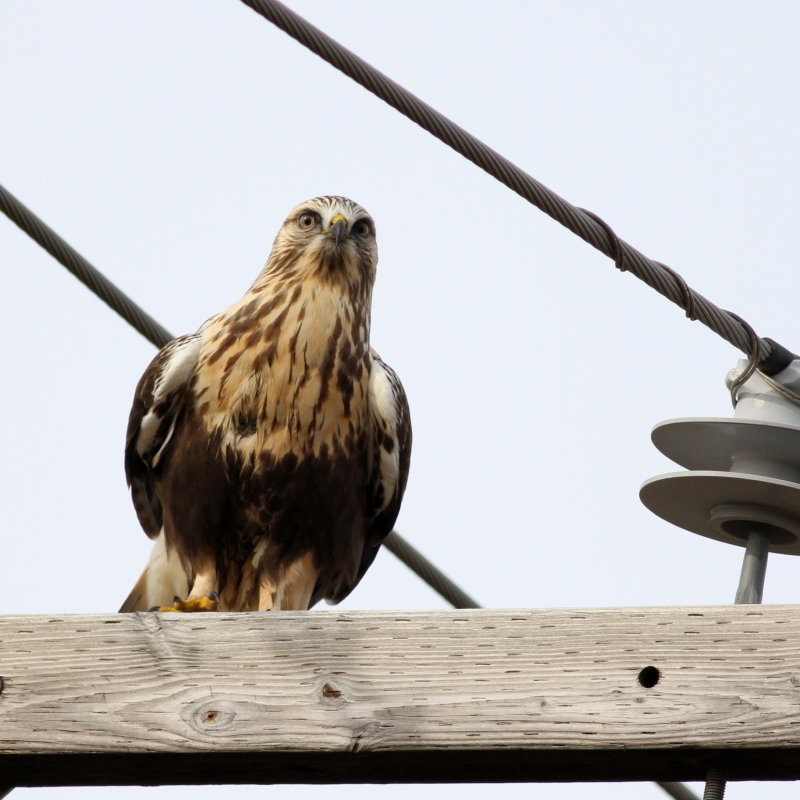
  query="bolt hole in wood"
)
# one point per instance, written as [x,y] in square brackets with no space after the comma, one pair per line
[649,677]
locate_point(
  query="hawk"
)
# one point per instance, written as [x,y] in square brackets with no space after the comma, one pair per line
[267,454]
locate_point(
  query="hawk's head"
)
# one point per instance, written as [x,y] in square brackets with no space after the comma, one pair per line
[331,239]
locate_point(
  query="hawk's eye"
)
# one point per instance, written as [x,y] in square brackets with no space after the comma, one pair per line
[362,229]
[306,221]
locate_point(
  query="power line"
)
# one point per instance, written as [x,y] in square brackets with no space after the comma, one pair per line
[429,572]
[679,791]
[132,313]
[110,294]
[585,224]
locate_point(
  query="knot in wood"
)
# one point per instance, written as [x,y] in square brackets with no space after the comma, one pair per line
[214,716]
[330,692]
[211,717]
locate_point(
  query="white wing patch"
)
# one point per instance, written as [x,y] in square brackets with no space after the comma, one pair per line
[180,360]
[383,389]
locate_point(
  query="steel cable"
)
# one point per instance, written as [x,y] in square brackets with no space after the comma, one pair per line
[592,230]
[88,275]
[679,791]
[429,573]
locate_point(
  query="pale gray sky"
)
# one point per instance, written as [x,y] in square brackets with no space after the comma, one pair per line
[167,142]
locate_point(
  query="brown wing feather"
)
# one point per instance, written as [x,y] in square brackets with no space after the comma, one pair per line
[391,459]
[157,406]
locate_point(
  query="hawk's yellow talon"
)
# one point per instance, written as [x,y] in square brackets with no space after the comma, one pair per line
[210,603]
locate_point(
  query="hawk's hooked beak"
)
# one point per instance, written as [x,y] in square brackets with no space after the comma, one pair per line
[338,228]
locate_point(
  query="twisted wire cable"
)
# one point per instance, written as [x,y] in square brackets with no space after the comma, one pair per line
[679,791]
[587,226]
[780,388]
[752,361]
[88,275]
[429,573]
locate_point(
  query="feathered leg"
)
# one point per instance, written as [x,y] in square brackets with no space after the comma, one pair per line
[162,579]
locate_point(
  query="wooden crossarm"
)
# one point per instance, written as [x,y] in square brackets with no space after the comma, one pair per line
[331,696]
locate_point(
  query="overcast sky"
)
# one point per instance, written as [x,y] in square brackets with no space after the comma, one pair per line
[167,141]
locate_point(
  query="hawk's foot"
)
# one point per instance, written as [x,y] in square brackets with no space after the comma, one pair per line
[210,603]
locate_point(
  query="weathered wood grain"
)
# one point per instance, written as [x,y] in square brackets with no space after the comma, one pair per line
[384,697]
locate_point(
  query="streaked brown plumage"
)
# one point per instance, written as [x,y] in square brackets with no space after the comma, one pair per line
[268,453]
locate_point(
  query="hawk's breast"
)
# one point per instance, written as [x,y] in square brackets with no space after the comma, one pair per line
[285,377]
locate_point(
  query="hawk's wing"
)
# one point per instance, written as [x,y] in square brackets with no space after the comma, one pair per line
[157,409]
[391,456]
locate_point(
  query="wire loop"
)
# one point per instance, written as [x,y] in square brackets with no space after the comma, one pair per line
[780,388]
[752,359]
[688,304]
[613,240]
